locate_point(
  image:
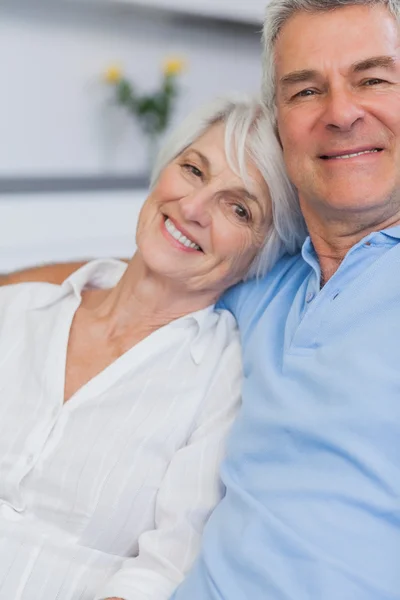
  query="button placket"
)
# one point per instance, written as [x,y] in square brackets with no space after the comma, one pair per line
[36,442]
[307,335]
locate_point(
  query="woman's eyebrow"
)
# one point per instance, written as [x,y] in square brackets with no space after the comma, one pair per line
[240,191]
[203,159]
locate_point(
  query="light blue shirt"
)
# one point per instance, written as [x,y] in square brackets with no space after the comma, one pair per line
[312,476]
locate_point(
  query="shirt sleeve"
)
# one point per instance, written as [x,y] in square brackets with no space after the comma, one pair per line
[190,490]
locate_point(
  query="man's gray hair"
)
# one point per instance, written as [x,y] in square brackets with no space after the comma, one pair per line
[249,135]
[276,15]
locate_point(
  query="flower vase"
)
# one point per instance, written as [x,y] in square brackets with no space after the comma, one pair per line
[153,147]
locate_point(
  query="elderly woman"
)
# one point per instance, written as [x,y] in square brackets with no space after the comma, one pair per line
[119,386]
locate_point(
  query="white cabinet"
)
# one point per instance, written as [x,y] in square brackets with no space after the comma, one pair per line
[248,11]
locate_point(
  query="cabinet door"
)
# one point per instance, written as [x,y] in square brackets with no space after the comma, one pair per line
[248,11]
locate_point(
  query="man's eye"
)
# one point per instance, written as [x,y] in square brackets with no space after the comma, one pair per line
[242,212]
[305,93]
[374,81]
[193,170]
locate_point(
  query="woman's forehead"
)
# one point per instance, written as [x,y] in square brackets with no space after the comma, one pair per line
[213,136]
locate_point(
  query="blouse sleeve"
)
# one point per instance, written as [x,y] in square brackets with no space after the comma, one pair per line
[189,491]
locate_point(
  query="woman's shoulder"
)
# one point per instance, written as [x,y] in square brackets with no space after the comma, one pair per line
[221,366]
[217,325]
[216,346]
[49,273]
[18,297]
[17,303]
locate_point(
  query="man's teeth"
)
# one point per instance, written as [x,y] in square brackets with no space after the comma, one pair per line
[355,154]
[178,235]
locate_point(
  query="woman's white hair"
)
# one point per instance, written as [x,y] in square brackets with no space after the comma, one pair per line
[249,135]
[279,11]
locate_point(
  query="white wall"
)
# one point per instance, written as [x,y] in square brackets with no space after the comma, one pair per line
[52,107]
[62,227]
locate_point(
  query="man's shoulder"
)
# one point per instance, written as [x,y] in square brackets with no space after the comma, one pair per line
[245,298]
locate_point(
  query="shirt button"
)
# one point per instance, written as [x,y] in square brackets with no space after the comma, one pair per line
[30,458]
[310,296]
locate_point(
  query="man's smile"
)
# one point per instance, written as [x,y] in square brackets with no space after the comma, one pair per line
[350,153]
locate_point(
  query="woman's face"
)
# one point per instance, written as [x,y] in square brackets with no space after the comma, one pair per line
[200,227]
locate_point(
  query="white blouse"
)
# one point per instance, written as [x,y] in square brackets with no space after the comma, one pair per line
[107,494]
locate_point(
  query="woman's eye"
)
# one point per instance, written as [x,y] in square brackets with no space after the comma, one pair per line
[193,170]
[242,212]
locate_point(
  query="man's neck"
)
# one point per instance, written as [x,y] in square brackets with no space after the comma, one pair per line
[332,240]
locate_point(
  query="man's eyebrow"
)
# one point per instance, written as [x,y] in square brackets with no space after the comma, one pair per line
[385,62]
[298,77]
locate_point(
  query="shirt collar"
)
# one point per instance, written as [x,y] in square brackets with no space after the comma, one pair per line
[105,273]
[390,232]
[99,273]
[204,320]
[390,235]
[309,255]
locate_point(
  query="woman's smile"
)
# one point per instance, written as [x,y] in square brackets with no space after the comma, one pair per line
[208,217]
[174,234]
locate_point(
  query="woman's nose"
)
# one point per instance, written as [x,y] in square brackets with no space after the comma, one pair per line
[197,207]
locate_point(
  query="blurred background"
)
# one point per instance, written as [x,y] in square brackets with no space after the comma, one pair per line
[74,163]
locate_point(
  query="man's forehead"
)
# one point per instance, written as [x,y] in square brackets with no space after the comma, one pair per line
[344,36]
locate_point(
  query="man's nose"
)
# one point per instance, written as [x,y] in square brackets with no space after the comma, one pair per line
[342,110]
[197,206]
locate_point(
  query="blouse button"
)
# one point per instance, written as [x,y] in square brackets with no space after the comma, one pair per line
[30,459]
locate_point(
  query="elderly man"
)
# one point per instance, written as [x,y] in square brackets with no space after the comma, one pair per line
[312,507]
[312,504]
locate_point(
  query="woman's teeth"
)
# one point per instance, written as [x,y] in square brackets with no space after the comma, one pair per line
[170,227]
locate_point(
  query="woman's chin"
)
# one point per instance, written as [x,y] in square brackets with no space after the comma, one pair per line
[165,264]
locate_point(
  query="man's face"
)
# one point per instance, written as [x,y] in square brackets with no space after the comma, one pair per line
[338,101]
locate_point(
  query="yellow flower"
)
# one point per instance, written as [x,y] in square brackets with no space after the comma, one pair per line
[113,74]
[173,66]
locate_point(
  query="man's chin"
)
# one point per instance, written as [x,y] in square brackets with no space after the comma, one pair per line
[353,197]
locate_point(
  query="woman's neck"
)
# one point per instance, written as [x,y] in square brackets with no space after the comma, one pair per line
[141,301]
